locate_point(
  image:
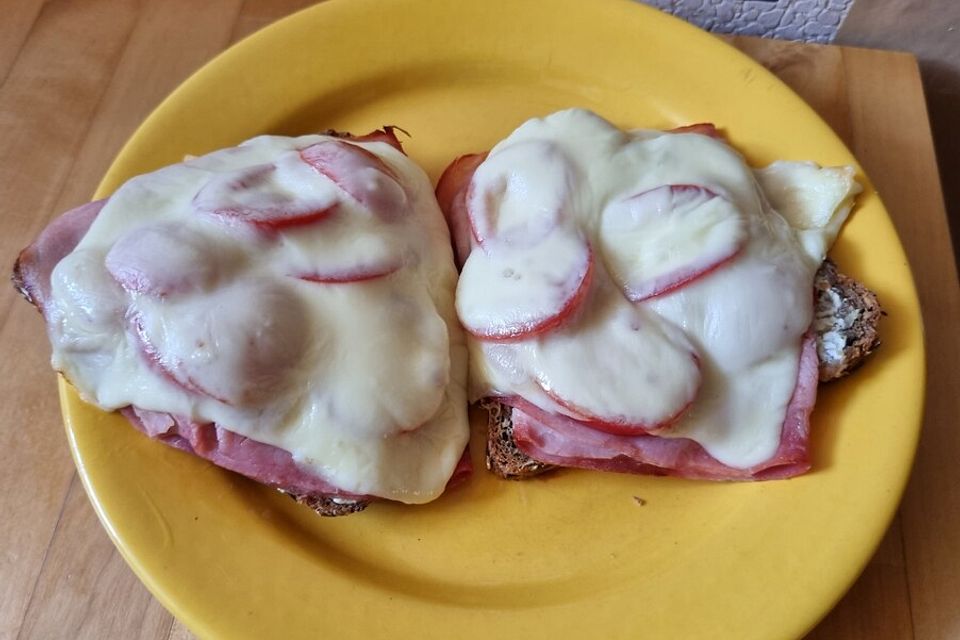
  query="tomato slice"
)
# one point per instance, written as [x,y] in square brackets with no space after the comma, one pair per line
[508,293]
[266,195]
[356,273]
[166,258]
[642,373]
[359,173]
[237,345]
[520,194]
[659,240]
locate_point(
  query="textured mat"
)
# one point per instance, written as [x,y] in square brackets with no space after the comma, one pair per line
[808,20]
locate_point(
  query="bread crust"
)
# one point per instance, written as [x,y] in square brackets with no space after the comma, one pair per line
[328,506]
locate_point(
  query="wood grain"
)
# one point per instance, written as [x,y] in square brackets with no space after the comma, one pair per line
[18,20]
[162,50]
[898,155]
[819,74]
[77,77]
[917,568]
[82,583]
[256,14]
[47,103]
[159,51]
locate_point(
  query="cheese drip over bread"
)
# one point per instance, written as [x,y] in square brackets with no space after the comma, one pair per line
[296,291]
[699,288]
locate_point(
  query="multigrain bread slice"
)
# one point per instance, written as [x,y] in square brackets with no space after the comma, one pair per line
[846,320]
[504,457]
[327,505]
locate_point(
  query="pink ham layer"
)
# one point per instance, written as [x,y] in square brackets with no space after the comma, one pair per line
[264,463]
[565,442]
[31,273]
[451,195]
[256,460]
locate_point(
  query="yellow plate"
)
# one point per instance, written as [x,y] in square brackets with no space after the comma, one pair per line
[575,555]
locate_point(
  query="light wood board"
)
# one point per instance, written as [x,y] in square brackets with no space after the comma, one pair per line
[77,77]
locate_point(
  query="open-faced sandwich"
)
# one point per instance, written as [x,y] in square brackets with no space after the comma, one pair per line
[645,302]
[283,308]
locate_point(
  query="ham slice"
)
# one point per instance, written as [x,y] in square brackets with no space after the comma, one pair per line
[386,134]
[567,442]
[31,273]
[258,461]
[703,128]
[262,462]
[563,441]
[451,195]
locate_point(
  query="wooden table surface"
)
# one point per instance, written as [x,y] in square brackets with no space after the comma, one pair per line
[78,76]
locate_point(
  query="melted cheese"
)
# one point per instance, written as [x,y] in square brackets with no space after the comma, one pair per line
[361,380]
[744,320]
